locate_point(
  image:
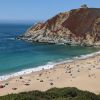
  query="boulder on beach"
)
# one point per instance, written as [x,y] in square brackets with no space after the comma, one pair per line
[2,86]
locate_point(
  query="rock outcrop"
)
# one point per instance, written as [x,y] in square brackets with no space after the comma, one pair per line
[76,27]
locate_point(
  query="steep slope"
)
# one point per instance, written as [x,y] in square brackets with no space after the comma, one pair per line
[76,27]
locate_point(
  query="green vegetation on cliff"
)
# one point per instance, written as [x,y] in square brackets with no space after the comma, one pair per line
[53,94]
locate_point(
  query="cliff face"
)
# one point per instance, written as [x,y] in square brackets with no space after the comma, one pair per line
[76,27]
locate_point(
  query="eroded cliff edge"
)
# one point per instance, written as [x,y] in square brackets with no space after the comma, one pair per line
[76,27]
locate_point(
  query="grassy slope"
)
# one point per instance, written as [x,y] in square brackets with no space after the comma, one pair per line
[53,94]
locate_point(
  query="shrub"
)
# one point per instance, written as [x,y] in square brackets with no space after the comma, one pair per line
[53,94]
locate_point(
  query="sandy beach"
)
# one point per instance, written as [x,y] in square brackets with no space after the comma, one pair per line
[82,73]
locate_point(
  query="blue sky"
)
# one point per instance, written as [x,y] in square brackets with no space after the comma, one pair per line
[39,9]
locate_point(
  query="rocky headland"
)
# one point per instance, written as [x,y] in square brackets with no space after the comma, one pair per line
[76,27]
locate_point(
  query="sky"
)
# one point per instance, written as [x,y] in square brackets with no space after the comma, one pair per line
[27,10]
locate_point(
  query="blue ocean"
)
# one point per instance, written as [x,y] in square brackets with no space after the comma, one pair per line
[17,55]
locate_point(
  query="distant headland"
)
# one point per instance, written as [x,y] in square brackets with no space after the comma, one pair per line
[76,27]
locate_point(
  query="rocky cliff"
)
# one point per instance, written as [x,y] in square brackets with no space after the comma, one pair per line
[76,27]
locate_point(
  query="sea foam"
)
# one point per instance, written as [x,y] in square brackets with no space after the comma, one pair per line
[47,66]
[27,71]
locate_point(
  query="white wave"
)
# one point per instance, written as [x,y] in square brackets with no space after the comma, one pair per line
[26,71]
[10,38]
[90,55]
[47,66]
[78,58]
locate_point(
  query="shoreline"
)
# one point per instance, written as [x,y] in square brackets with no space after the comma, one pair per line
[46,66]
[80,72]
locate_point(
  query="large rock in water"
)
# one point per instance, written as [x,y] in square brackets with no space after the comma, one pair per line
[76,27]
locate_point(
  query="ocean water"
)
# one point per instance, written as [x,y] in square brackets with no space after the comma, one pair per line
[17,55]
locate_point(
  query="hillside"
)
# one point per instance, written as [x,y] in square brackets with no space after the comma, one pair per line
[53,94]
[76,27]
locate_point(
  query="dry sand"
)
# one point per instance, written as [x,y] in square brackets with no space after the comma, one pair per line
[83,74]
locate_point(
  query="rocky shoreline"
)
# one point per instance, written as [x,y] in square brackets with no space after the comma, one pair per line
[76,27]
